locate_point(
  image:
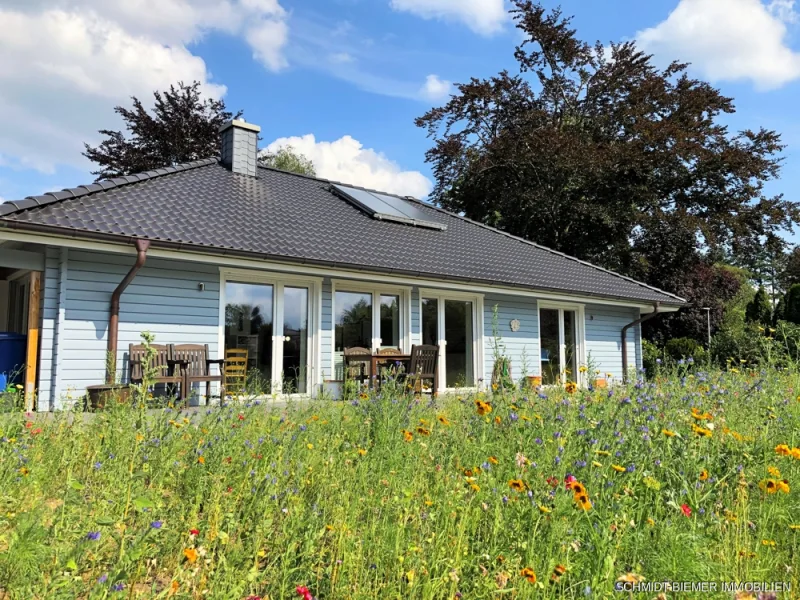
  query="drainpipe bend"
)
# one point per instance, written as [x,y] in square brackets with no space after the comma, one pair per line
[113,317]
[638,321]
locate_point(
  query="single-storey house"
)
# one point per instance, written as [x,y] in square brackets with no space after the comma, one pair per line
[295,269]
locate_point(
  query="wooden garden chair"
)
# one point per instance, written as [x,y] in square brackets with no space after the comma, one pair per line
[196,366]
[356,363]
[423,366]
[235,370]
[160,364]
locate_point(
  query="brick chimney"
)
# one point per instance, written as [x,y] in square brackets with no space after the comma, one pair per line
[240,146]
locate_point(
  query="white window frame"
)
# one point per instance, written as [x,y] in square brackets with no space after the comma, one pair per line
[580,336]
[278,281]
[376,290]
[478,355]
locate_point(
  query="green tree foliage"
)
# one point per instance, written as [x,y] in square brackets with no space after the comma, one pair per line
[759,309]
[287,159]
[182,127]
[791,271]
[792,304]
[594,151]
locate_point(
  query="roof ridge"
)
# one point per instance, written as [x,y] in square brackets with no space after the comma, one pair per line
[483,225]
[13,206]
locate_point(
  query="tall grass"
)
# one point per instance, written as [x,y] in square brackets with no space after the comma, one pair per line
[390,496]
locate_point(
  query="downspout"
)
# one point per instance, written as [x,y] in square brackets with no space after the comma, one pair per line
[113,318]
[638,321]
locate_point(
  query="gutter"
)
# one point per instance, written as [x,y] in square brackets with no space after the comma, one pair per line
[113,318]
[638,321]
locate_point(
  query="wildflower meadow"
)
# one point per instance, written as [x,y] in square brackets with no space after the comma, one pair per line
[541,493]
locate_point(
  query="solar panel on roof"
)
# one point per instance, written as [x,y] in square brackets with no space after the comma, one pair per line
[387,208]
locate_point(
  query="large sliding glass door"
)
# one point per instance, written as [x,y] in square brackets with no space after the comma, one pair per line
[268,326]
[560,348]
[450,324]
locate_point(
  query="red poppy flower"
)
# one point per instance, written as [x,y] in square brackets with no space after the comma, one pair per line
[304,592]
[686,510]
[570,479]
[194,532]
[553,481]
[29,424]
[241,417]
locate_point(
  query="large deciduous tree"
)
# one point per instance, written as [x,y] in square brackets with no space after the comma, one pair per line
[595,151]
[182,127]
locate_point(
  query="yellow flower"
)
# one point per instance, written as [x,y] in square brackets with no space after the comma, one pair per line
[423,431]
[773,471]
[201,460]
[596,464]
[703,475]
[602,453]
[362,451]
[18,386]
[571,387]
[630,578]
[782,450]
[407,435]
[668,433]
[310,446]
[484,408]
[24,471]
[783,486]
[701,431]
[794,527]
[544,509]
[651,522]
[618,468]
[475,487]
[768,485]
[517,485]
[443,420]
[795,453]
[190,554]
[583,369]
[582,500]
[493,460]
[768,543]
[528,574]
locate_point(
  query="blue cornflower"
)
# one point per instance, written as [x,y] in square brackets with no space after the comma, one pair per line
[103,578]
[118,587]
[98,465]
[157,524]
[93,536]
[513,416]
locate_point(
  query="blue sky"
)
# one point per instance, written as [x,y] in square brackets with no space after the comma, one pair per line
[343,80]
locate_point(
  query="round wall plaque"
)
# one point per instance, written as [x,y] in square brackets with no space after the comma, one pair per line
[515,324]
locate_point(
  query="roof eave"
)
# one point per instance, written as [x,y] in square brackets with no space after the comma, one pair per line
[665,302]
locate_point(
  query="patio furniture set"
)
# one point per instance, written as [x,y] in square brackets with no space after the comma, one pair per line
[420,372]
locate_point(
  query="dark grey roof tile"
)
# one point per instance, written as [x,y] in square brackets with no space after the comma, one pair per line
[278,214]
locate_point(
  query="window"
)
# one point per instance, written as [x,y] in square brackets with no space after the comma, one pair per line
[451,323]
[371,319]
[270,324]
[560,339]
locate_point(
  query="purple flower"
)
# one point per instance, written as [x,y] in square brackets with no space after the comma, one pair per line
[513,416]
[118,587]
[93,536]
[103,578]
[97,465]
[156,524]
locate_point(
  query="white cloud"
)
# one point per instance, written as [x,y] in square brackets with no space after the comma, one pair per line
[729,40]
[436,89]
[346,160]
[482,16]
[65,63]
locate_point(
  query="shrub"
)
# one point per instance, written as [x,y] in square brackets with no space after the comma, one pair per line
[759,309]
[684,348]
[792,305]
[651,354]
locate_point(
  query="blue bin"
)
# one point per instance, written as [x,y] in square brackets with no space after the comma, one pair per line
[12,358]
